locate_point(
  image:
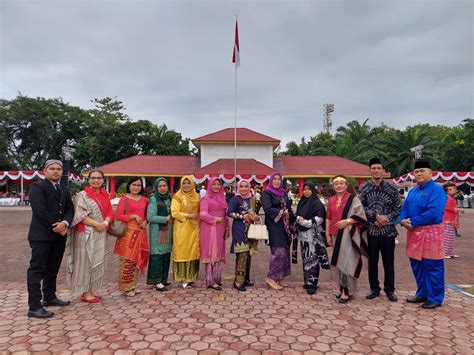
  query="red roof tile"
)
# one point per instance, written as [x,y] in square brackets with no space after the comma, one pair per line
[153,165]
[244,135]
[319,166]
[166,165]
[244,167]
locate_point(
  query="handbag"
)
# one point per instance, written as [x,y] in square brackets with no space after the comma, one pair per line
[119,228]
[258,232]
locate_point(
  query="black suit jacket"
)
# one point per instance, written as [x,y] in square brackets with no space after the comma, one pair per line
[48,206]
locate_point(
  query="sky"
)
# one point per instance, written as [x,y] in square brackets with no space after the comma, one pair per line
[395,62]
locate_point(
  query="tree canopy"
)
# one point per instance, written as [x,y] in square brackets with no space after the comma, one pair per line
[33,130]
[448,148]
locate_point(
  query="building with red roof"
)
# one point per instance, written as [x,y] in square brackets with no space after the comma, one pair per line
[255,161]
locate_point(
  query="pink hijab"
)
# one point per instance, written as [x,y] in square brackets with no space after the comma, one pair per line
[248,195]
[216,196]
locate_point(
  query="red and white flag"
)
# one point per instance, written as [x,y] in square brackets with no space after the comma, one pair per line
[236,55]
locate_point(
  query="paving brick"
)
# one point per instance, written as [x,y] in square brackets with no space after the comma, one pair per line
[260,320]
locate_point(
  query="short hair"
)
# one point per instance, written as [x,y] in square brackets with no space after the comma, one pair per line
[448,185]
[131,181]
[97,171]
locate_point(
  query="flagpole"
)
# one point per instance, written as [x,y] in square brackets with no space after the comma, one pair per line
[235,132]
[235,124]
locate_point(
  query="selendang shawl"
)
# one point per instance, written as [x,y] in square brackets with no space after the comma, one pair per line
[351,242]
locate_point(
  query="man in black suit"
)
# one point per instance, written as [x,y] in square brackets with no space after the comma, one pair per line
[52,214]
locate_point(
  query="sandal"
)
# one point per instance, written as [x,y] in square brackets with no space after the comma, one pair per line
[130,293]
[90,300]
[273,284]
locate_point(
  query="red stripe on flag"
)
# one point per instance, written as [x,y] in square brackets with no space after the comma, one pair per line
[236,42]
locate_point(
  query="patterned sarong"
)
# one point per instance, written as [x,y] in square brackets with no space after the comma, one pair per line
[426,242]
[449,238]
[280,263]
[134,246]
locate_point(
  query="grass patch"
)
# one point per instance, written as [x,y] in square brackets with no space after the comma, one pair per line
[470,290]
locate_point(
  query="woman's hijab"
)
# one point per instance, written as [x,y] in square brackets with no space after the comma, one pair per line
[310,207]
[276,191]
[216,196]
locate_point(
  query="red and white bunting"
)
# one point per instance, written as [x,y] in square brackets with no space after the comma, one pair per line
[33,174]
[441,177]
[229,178]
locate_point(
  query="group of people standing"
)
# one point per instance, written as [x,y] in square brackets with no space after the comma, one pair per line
[189,229]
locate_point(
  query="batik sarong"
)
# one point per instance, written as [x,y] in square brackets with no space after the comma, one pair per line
[213,274]
[280,263]
[186,271]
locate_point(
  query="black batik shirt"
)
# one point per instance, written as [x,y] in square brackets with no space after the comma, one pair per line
[380,200]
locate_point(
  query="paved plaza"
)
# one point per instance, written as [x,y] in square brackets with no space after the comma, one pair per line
[196,320]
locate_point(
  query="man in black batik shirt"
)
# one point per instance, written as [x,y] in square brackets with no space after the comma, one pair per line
[382,206]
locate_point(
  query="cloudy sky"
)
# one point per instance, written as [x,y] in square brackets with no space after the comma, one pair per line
[397,62]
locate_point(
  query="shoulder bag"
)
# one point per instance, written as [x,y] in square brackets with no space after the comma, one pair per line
[119,228]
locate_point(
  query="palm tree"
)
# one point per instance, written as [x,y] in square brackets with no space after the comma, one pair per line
[400,158]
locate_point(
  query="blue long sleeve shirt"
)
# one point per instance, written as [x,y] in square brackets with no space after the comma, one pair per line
[425,205]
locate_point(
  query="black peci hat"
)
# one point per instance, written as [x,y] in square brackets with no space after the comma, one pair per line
[422,163]
[374,161]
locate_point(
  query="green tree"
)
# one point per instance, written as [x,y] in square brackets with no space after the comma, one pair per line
[38,129]
[112,136]
[399,157]
[458,147]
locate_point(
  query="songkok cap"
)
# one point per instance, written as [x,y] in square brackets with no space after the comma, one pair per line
[51,162]
[374,161]
[422,163]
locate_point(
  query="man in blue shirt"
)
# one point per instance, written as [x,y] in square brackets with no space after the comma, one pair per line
[422,216]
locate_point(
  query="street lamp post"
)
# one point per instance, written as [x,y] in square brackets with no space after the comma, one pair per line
[417,151]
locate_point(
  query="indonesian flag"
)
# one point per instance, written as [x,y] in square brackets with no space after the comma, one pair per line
[236,55]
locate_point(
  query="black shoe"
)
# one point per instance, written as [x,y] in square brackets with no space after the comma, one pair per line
[416,299]
[311,290]
[239,287]
[217,287]
[338,295]
[56,303]
[344,300]
[161,289]
[392,297]
[248,283]
[305,286]
[40,313]
[372,294]
[430,305]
